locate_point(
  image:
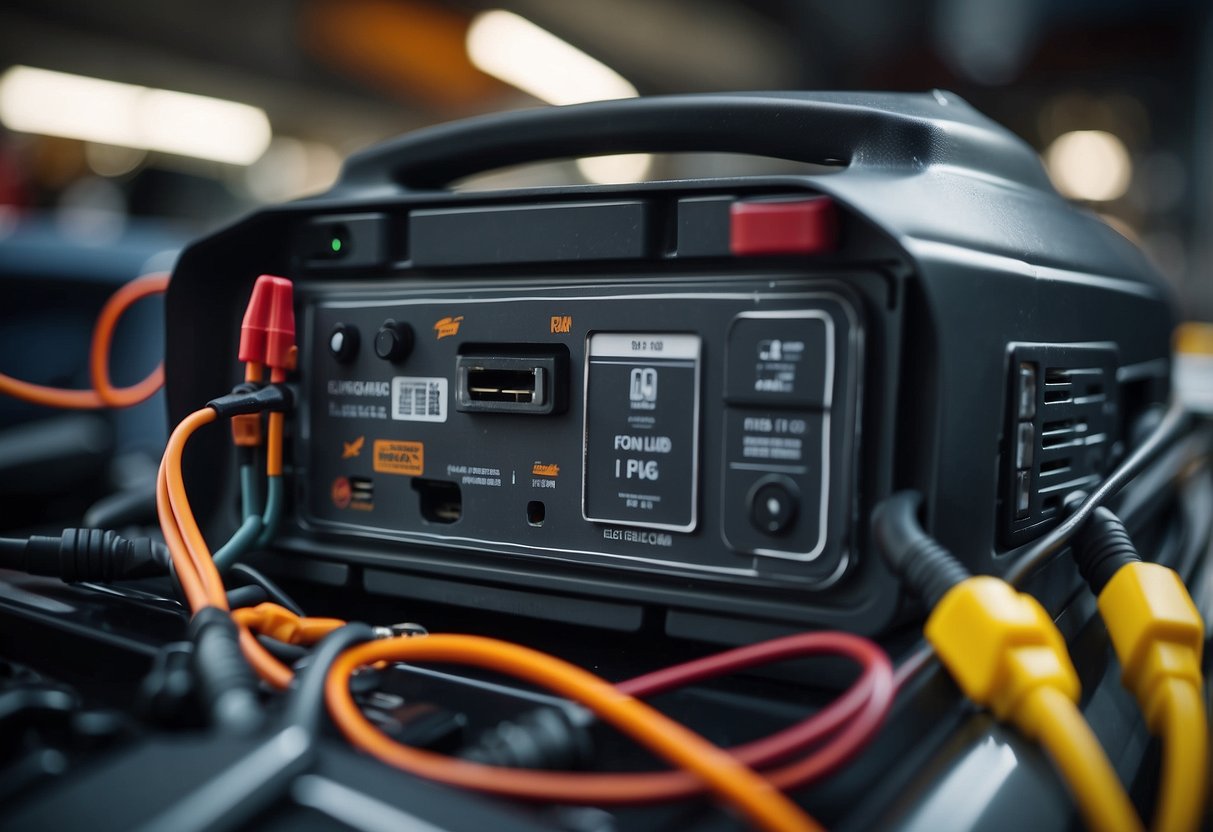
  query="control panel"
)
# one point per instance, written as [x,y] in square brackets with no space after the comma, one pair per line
[696,427]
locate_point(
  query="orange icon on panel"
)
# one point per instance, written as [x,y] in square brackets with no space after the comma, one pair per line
[542,469]
[447,326]
[562,324]
[341,492]
[349,450]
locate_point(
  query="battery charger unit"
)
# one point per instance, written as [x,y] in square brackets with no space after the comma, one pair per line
[674,404]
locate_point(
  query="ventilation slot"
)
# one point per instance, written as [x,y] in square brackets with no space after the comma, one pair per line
[1054,467]
[1062,433]
[1061,422]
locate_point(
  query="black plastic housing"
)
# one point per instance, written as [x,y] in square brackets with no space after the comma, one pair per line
[952,248]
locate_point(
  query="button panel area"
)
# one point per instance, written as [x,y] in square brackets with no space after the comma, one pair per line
[779,387]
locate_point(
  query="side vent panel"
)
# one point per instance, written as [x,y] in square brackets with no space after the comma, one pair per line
[1059,435]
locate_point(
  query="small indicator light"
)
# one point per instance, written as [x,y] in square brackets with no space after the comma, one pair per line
[336,244]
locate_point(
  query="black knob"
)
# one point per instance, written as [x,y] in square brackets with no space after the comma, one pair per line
[394,341]
[343,342]
[774,503]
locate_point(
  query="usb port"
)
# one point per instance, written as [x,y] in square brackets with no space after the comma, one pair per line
[515,379]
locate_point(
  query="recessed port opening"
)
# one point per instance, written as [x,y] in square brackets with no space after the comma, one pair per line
[512,378]
[441,501]
[535,512]
[487,384]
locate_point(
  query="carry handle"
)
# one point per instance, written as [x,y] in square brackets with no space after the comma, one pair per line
[857,129]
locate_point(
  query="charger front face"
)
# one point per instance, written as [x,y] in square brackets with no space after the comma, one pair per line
[691,427]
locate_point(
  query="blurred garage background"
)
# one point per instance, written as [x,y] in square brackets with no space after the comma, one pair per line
[127,127]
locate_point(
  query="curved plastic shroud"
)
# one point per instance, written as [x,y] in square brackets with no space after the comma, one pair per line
[860,130]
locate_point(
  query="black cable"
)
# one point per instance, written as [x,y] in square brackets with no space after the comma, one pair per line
[928,569]
[1101,548]
[305,709]
[275,592]
[226,683]
[1173,426]
[248,595]
[79,555]
[284,652]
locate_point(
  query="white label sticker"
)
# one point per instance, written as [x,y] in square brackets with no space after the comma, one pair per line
[417,399]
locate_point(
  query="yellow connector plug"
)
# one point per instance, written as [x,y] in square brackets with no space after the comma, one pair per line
[1005,653]
[1158,635]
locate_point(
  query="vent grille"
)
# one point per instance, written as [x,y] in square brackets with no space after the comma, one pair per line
[1059,434]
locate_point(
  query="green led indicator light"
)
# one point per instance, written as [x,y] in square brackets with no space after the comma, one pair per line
[336,244]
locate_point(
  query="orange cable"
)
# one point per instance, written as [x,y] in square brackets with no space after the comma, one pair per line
[273,447]
[193,561]
[281,624]
[103,394]
[754,796]
[187,576]
[103,337]
[195,544]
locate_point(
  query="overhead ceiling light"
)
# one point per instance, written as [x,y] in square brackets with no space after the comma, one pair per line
[1089,164]
[90,109]
[512,48]
[515,50]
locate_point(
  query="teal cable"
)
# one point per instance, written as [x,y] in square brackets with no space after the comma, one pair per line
[239,543]
[248,491]
[250,527]
[273,511]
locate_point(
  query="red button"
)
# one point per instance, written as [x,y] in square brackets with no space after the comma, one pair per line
[794,226]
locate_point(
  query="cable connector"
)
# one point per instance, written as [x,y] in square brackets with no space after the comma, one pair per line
[1005,653]
[1158,636]
[267,333]
[407,629]
[545,738]
[1155,629]
[88,555]
[254,327]
[277,622]
[246,427]
[999,645]
[272,397]
[280,350]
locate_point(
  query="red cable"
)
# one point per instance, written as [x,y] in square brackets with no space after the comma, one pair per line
[873,691]
[852,718]
[875,682]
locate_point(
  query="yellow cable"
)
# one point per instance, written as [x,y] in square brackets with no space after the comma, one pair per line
[1005,653]
[1077,754]
[1158,636]
[1185,741]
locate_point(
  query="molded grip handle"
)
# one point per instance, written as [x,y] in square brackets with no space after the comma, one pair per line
[884,130]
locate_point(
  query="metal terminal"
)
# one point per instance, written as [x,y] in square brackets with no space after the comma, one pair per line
[407,629]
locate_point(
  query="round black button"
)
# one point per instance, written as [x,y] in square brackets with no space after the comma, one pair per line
[343,342]
[394,341]
[774,503]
